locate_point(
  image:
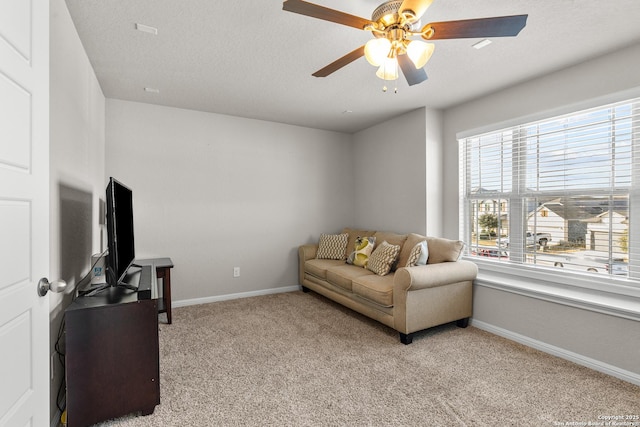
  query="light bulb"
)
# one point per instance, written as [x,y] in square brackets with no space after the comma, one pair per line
[376,50]
[419,52]
[388,69]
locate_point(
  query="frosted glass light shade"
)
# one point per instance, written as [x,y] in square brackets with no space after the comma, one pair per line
[420,52]
[376,50]
[388,70]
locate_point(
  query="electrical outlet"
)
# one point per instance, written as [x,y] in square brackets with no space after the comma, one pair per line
[236,271]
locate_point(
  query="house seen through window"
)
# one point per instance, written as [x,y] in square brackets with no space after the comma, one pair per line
[561,193]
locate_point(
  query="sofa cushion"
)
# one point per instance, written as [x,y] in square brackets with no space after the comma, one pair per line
[382,258]
[444,250]
[332,246]
[378,289]
[362,249]
[318,267]
[353,235]
[342,275]
[391,238]
[419,255]
[412,240]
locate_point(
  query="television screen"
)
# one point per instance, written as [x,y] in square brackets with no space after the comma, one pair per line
[120,240]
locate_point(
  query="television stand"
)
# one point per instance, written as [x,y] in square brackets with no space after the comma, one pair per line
[112,356]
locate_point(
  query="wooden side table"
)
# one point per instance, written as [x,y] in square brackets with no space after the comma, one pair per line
[163,268]
[163,271]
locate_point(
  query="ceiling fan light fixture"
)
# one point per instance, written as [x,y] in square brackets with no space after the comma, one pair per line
[376,50]
[388,69]
[393,24]
[420,52]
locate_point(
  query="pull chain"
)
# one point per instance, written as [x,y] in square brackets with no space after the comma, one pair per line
[395,81]
[397,73]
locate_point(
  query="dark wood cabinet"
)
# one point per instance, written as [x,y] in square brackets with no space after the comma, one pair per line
[112,360]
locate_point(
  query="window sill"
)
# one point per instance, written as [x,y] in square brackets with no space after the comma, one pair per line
[615,297]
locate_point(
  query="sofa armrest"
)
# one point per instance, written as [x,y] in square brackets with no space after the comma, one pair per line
[432,294]
[307,252]
[433,275]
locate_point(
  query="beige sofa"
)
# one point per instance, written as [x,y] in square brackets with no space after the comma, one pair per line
[407,299]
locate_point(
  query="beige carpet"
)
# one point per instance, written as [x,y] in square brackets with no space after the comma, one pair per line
[298,359]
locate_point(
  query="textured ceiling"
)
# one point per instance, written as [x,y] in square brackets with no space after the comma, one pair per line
[252,59]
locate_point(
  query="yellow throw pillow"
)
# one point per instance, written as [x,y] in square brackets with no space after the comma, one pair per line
[362,249]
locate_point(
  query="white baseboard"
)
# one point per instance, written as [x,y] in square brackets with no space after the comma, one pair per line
[217,298]
[562,353]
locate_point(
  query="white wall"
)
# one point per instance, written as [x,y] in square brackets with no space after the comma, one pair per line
[434,186]
[77,145]
[397,174]
[610,341]
[215,192]
[77,129]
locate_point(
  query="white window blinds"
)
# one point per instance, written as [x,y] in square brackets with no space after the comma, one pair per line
[561,193]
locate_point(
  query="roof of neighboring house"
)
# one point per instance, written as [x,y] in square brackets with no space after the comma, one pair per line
[567,211]
[586,210]
[599,218]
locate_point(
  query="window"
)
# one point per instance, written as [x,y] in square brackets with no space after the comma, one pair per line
[564,193]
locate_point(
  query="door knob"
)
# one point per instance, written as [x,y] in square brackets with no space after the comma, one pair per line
[56,286]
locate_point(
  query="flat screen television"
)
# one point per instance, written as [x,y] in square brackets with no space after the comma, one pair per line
[120,238]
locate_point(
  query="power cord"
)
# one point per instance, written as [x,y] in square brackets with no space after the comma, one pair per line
[60,347]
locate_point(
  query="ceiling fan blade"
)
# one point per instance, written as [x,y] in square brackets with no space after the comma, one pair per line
[499,26]
[411,73]
[336,65]
[416,7]
[321,12]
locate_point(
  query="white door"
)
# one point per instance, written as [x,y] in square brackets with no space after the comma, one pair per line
[24,212]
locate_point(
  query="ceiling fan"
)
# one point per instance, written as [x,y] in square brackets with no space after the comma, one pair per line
[393,25]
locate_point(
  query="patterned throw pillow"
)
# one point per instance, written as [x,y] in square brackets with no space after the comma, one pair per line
[382,258]
[332,246]
[362,249]
[419,255]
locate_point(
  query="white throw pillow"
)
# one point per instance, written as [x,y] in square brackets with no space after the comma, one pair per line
[419,255]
